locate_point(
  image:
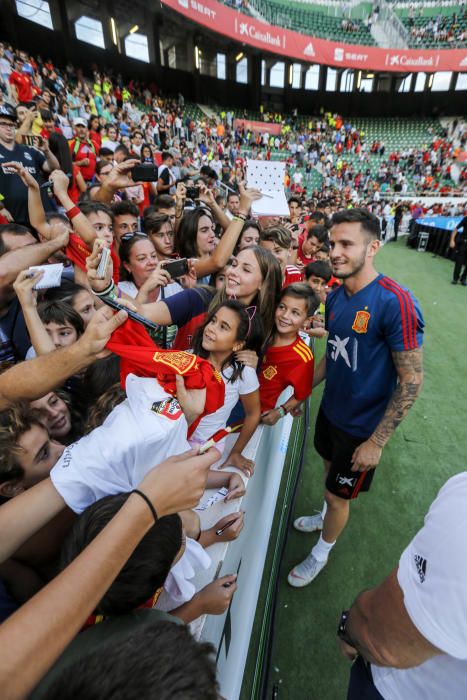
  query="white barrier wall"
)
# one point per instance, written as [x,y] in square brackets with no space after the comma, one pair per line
[230,633]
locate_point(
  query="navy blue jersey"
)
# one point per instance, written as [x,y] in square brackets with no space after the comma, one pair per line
[364,329]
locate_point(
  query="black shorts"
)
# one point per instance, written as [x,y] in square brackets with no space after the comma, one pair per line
[336,446]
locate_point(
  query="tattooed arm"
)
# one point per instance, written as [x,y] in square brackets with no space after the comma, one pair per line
[409,367]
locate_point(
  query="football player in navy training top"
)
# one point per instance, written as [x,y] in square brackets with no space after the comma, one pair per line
[373,371]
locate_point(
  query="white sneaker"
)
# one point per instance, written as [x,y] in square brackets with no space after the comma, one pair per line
[309,523]
[304,573]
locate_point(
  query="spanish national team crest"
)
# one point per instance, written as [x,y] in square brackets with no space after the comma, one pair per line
[169,408]
[270,372]
[182,362]
[360,324]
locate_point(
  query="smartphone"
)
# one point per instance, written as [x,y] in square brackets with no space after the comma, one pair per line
[103,262]
[32,140]
[176,268]
[144,173]
[192,192]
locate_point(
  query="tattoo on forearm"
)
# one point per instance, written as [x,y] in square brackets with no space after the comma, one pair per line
[409,366]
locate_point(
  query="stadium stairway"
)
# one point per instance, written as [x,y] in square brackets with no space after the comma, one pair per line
[208,112]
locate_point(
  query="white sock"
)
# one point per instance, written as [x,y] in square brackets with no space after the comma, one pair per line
[323,512]
[321,549]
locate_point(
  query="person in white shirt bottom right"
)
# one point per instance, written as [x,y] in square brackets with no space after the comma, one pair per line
[409,634]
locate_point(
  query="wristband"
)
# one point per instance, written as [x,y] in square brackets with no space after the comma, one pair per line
[107,291]
[342,629]
[74,211]
[285,409]
[242,219]
[150,506]
[281,411]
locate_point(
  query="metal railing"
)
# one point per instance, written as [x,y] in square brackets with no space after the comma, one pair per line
[393,27]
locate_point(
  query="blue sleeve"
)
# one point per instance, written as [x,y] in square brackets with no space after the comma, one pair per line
[403,322]
[185,305]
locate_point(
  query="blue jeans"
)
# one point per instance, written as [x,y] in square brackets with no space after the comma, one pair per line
[361,686]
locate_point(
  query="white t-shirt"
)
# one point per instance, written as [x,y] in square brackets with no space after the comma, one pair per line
[111,145]
[139,433]
[208,425]
[433,577]
[216,165]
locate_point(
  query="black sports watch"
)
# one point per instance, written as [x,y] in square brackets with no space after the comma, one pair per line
[342,629]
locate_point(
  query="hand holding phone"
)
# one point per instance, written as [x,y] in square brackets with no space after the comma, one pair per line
[192,192]
[144,172]
[176,268]
[103,262]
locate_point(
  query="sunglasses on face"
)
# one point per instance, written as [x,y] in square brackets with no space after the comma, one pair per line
[127,236]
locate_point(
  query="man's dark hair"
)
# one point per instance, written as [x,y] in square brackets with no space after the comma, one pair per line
[232,194]
[15,229]
[165,155]
[46,115]
[123,149]
[105,152]
[154,223]
[146,569]
[318,268]
[317,216]
[368,221]
[125,207]
[160,660]
[137,131]
[56,216]
[15,420]
[162,201]
[318,231]
[300,290]
[295,199]
[95,207]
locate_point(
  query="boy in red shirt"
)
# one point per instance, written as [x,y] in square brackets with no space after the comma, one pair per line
[288,360]
[311,243]
[278,240]
[21,82]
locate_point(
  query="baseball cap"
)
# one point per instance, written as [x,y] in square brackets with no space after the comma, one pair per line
[8,112]
[79,122]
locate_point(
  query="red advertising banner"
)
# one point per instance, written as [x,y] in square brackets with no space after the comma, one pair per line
[258,127]
[301,47]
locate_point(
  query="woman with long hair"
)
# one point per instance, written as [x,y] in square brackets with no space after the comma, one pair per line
[147,155]
[64,121]
[59,147]
[195,235]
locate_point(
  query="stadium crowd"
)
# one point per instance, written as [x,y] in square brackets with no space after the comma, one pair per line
[115,199]
[448,29]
